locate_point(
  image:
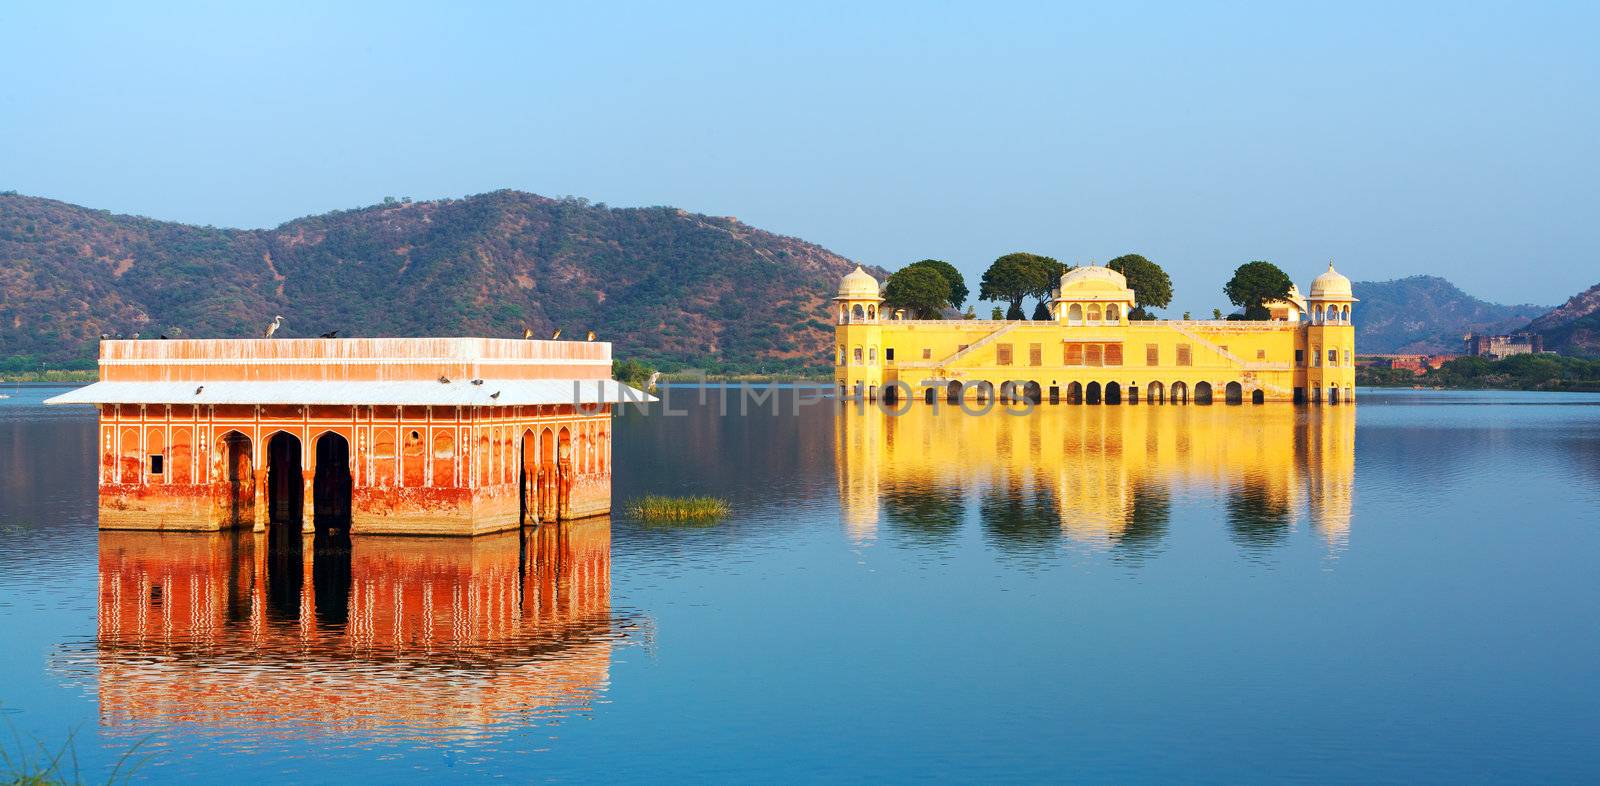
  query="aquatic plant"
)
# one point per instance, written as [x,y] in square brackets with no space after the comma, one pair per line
[656,507]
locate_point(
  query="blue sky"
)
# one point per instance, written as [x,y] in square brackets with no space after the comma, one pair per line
[1459,139]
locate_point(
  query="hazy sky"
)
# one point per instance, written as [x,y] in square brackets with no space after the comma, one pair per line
[1458,139]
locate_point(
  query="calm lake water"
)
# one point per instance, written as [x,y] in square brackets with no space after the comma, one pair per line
[1403,590]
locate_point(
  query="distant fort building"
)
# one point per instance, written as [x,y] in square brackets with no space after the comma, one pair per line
[1090,352]
[428,436]
[1496,347]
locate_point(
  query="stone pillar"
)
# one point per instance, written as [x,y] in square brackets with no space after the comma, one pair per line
[258,502]
[308,504]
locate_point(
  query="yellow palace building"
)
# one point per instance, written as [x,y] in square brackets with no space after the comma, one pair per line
[1091,352]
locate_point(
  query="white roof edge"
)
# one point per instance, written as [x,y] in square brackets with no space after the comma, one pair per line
[492,393]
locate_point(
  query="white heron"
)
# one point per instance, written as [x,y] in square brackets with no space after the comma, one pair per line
[273,328]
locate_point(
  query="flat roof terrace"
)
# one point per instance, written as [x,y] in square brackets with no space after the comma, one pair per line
[433,371]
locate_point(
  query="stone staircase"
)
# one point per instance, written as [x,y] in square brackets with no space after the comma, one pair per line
[973,347]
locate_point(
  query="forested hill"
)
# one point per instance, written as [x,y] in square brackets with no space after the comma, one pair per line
[665,285]
[1427,314]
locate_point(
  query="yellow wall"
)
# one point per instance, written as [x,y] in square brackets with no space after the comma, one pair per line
[1259,356]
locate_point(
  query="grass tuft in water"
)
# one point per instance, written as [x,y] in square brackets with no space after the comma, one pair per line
[655,507]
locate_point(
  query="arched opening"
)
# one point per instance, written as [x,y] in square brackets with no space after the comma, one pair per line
[930,394]
[1031,393]
[1091,394]
[238,469]
[1133,394]
[1257,397]
[1202,392]
[1316,314]
[564,474]
[1344,314]
[872,312]
[985,391]
[1113,393]
[285,483]
[1075,314]
[1074,393]
[1333,395]
[1113,314]
[527,504]
[330,484]
[858,313]
[1005,391]
[952,391]
[547,475]
[1180,393]
[1094,314]
[1233,393]
[1156,395]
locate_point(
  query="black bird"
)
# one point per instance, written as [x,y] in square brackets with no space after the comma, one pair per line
[495,395]
[198,389]
[477,382]
[329,334]
[163,337]
[444,380]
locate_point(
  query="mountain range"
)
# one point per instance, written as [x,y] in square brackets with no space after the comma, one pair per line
[668,287]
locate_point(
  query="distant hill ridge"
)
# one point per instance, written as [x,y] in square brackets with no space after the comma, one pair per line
[1428,314]
[667,286]
[1573,328]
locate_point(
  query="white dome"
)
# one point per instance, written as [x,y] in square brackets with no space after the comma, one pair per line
[858,284]
[1331,286]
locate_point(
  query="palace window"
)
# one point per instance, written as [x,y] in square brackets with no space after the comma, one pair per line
[1113,314]
[1035,354]
[1299,357]
[1072,354]
[1113,354]
[927,354]
[1347,357]
[157,464]
[1093,355]
[858,356]
[1185,355]
[1333,357]
[1002,354]
[1152,354]
[841,356]
[888,355]
[1261,354]
[872,356]
[1316,355]
[1094,314]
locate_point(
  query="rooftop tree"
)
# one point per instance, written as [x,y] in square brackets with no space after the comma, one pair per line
[1254,284]
[1016,276]
[920,290]
[958,284]
[1152,287]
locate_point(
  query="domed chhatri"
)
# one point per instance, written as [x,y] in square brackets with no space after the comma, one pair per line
[858,284]
[1096,347]
[1331,285]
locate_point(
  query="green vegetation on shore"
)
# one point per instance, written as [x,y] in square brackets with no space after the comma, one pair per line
[1519,372]
[51,375]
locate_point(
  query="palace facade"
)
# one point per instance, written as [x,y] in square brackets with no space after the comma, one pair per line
[1091,352]
[421,436]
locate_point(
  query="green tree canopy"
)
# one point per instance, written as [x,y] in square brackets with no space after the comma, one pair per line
[1255,283]
[1016,276]
[1152,287]
[921,290]
[1041,312]
[958,284]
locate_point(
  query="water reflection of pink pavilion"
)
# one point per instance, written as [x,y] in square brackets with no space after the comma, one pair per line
[218,630]
[1094,465]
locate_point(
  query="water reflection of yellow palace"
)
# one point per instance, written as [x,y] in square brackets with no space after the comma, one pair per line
[224,629]
[1102,475]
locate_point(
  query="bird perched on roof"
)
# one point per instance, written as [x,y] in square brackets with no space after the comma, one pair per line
[495,395]
[444,380]
[477,382]
[557,335]
[105,336]
[198,389]
[273,328]
[329,334]
[527,333]
[654,376]
[590,337]
[163,337]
